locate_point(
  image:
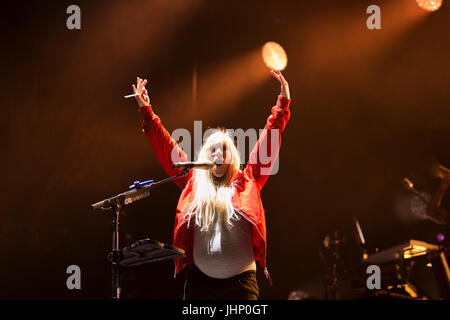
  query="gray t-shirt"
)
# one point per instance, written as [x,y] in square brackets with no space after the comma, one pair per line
[224,253]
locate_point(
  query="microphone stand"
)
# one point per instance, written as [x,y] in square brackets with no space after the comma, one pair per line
[137,192]
[437,259]
[430,208]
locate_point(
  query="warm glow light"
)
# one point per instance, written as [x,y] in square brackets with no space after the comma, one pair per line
[429,5]
[414,251]
[409,288]
[274,56]
[214,90]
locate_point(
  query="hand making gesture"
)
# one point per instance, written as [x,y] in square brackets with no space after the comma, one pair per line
[284,85]
[142,99]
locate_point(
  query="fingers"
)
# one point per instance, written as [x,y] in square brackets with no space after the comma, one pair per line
[139,85]
[284,85]
[143,83]
[138,82]
[145,95]
[278,72]
[139,88]
[275,74]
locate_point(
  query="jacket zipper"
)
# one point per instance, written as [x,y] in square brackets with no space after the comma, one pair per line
[266,271]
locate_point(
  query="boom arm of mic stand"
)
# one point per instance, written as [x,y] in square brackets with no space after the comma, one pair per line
[133,195]
[431,209]
[115,204]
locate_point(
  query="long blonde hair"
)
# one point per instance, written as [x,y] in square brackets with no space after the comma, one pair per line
[212,203]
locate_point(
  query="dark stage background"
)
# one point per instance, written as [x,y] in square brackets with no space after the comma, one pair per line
[369,107]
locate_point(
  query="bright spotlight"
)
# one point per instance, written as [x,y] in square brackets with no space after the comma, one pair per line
[429,5]
[274,56]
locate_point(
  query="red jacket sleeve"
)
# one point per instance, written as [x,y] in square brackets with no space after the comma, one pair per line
[166,148]
[264,155]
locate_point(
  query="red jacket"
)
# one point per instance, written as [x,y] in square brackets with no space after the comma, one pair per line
[246,199]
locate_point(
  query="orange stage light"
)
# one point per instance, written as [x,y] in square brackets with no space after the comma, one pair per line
[274,56]
[429,5]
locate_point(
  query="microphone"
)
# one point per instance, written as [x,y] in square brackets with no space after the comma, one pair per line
[408,184]
[433,211]
[188,165]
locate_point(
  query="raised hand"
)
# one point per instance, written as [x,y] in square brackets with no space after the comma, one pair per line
[142,99]
[284,84]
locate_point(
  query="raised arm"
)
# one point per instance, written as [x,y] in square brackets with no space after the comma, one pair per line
[166,148]
[264,155]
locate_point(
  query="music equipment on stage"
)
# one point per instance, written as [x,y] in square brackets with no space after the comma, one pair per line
[142,251]
[334,254]
[413,269]
[434,211]
[407,250]
[413,261]
[396,264]
[146,251]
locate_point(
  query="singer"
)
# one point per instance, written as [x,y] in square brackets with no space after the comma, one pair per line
[220,220]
